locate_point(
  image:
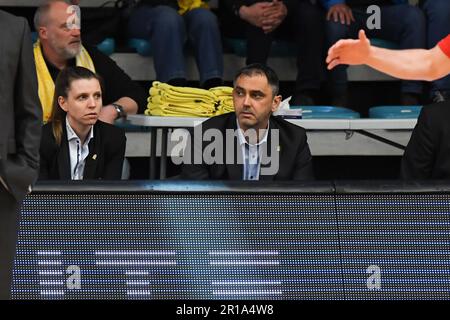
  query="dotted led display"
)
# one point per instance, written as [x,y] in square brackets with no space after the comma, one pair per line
[395,246]
[193,246]
[230,243]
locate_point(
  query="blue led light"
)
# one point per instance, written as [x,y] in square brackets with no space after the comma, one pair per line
[259,246]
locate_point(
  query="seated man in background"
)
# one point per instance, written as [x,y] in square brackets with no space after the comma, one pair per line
[168,24]
[75,144]
[59,46]
[399,22]
[250,143]
[298,21]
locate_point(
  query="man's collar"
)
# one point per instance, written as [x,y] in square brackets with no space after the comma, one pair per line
[242,139]
[71,135]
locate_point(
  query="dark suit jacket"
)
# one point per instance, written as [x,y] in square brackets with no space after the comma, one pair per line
[293,153]
[105,159]
[427,155]
[20,109]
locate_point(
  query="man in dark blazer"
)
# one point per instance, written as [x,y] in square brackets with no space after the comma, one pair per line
[427,155]
[20,131]
[105,159]
[251,143]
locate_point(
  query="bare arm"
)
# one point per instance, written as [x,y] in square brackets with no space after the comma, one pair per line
[416,64]
[413,64]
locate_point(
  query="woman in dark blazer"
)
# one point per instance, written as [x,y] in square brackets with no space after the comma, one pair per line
[74,125]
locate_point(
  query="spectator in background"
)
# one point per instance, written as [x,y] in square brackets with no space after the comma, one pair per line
[400,23]
[60,46]
[168,24]
[75,145]
[437,13]
[261,146]
[262,21]
[21,117]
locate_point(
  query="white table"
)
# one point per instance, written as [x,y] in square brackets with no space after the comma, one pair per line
[337,137]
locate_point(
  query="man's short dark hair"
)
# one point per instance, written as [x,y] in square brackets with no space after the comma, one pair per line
[262,70]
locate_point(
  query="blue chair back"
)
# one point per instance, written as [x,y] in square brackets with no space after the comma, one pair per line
[279,48]
[142,46]
[394,112]
[327,112]
[107,46]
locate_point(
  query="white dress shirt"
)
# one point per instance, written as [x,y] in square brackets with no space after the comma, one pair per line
[251,155]
[78,152]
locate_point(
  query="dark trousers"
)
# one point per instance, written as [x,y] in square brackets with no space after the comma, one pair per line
[168,31]
[9,224]
[308,23]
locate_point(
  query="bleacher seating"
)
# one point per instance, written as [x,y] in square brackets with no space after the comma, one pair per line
[139,65]
[142,47]
[107,46]
[327,112]
[394,112]
[384,43]
[279,48]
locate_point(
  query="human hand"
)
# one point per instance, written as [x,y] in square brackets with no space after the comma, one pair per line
[341,12]
[254,14]
[349,51]
[274,16]
[108,114]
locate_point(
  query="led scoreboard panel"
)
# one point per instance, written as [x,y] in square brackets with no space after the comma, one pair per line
[224,240]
